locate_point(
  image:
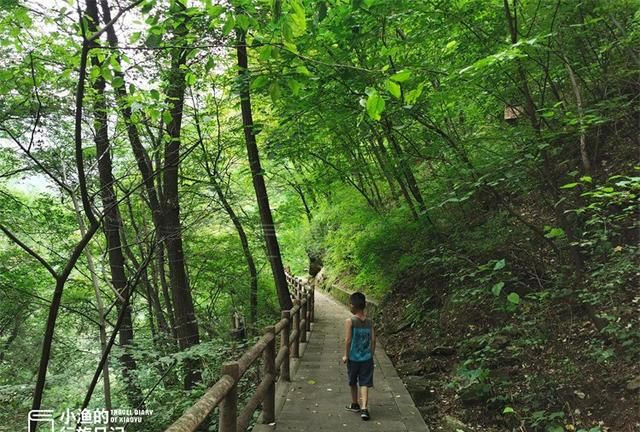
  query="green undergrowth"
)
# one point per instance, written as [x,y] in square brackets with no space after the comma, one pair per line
[534,339]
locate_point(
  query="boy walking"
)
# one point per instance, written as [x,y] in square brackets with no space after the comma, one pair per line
[359,348]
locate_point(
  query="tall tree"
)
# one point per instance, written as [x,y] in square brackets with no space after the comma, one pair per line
[257,174]
[186,324]
[166,207]
[111,222]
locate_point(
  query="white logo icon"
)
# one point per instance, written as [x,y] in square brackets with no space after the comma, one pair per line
[41,416]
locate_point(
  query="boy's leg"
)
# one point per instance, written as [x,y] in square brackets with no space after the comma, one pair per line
[365,379]
[352,378]
[354,394]
[364,396]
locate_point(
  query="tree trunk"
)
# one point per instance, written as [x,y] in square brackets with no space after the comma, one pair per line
[186,324]
[584,154]
[164,284]
[52,316]
[383,167]
[111,222]
[412,183]
[398,177]
[106,379]
[253,273]
[268,227]
[150,285]
[166,209]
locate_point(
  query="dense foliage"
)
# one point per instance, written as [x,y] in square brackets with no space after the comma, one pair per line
[471,164]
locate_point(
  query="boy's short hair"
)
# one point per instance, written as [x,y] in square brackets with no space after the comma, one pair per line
[358,300]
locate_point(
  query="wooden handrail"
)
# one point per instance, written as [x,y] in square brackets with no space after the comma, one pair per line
[252,354]
[293,328]
[285,337]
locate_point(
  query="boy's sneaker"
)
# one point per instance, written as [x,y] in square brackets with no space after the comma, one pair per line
[364,414]
[354,407]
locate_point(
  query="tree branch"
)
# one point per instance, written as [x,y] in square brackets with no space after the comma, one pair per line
[30,251]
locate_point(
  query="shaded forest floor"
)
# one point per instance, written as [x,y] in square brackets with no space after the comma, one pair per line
[548,368]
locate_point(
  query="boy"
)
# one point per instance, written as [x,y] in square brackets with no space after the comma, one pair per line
[359,348]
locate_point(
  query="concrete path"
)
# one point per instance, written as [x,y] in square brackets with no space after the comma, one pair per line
[318,393]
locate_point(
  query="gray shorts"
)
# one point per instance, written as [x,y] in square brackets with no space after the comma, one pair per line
[360,373]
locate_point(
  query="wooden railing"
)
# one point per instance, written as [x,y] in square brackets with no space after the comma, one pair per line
[292,328]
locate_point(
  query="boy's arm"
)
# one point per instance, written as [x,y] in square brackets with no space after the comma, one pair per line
[347,337]
[373,340]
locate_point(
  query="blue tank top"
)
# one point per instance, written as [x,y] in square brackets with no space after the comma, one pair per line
[360,349]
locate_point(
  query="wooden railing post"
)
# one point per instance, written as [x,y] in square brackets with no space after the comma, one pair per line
[313,304]
[295,352]
[285,369]
[309,307]
[303,326]
[229,405]
[269,368]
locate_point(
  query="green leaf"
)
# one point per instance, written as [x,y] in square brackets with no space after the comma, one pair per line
[375,105]
[508,410]
[153,40]
[569,186]
[554,232]
[190,78]
[514,298]
[302,70]
[115,64]
[290,46]
[393,88]
[154,113]
[242,21]
[89,152]
[497,288]
[215,11]
[147,7]
[229,25]
[117,82]
[295,86]
[166,117]
[155,94]
[274,91]
[259,82]
[106,73]
[94,72]
[412,96]
[500,264]
[451,46]
[401,76]
[210,64]
[265,52]
[287,30]
[296,18]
